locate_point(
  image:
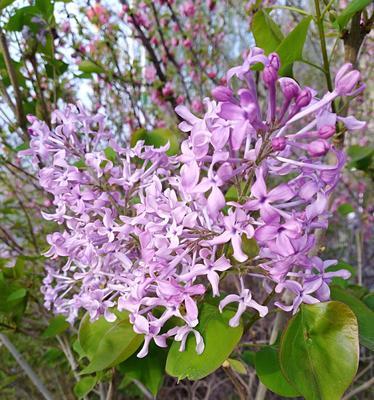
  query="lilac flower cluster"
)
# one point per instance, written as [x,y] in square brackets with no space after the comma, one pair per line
[152,234]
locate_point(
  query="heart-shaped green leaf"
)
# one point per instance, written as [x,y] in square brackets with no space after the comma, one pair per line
[364,315]
[106,344]
[270,374]
[219,338]
[319,350]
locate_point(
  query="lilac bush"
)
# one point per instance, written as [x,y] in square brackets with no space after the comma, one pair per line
[152,234]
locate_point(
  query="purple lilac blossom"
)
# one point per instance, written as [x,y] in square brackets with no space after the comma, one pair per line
[151,234]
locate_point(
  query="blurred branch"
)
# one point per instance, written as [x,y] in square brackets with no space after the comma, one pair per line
[359,389]
[14,81]
[26,367]
[353,39]
[168,53]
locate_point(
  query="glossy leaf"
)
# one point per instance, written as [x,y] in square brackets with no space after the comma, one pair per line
[149,370]
[266,32]
[57,325]
[219,338]
[291,48]
[106,344]
[353,7]
[365,316]
[319,350]
[270,374]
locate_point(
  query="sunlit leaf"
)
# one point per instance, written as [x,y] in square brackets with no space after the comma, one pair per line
[319,350]
[219,338]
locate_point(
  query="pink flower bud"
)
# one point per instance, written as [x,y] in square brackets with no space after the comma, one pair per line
[197,106]
[346,80]
[325,132]
[278,143]
[167,90]
[65,26]
[180,99]
[274,60]
[318,148]
[188,9]
[269,75]
[289,87]
[187,43]
[304,98]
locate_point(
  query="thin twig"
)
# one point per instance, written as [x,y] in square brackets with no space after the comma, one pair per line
[26,367]
[359,389]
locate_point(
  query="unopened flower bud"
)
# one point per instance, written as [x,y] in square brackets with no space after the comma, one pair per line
[304,98]
[325,132]
[222,93]
[289,87]
[269,75]
[278,143]
[346,79]
[274,60]
[318,148]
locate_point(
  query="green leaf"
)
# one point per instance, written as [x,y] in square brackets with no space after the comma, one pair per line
[361,157]
[354,6]
[106,344]
[270,374]
[84,386]
[5,3]
[20,18]
[250,246]
[237,366]
[369,300]
[266,32]
[157,138]
[78,349]
[319,350]
[219,338]
[90,67]
[56,326]
[248,357]
[365,316]
[345,209]
[13,299]
[149,370]
[110,154]
[291,48]
[45,7]
[17,295]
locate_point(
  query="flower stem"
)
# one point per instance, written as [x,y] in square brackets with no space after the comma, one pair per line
[322,39]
